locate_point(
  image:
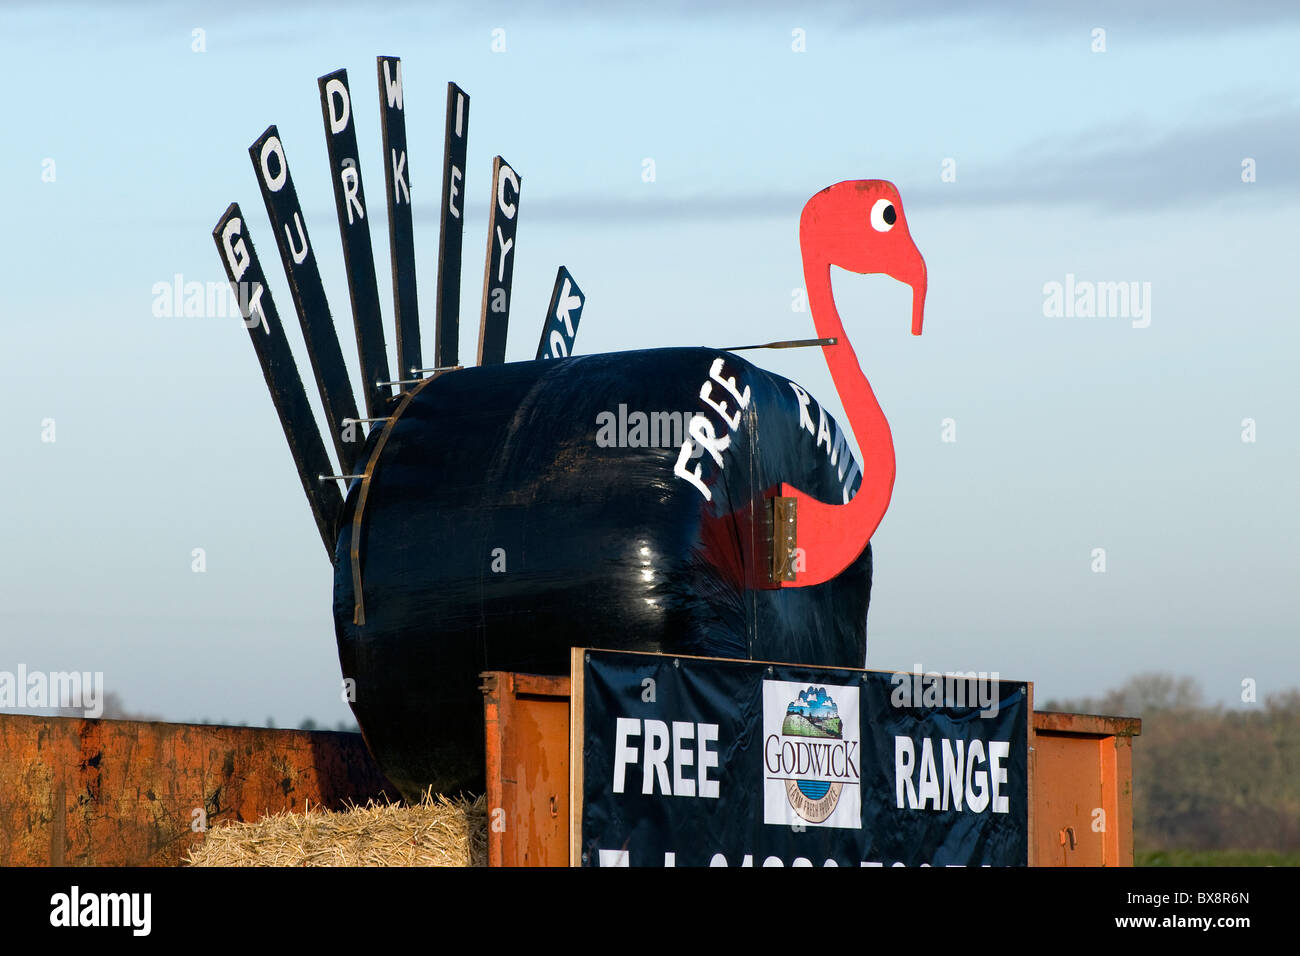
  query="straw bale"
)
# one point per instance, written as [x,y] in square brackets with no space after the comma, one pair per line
[438,831]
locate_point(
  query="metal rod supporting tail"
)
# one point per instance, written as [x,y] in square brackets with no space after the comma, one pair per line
[560,328]
[358,255]
[303,272]
[235,247]
[498,270]
[451,232]
[401,238]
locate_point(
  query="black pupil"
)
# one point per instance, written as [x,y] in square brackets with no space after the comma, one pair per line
[889,215]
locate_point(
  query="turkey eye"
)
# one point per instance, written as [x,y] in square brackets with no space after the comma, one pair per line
[883,215]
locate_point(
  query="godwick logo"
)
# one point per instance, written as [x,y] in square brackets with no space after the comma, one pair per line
[811,755]
[72,690]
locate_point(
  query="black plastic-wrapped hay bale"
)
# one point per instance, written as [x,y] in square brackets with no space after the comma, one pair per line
[515,511]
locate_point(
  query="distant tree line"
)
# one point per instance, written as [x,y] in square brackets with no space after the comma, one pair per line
[115,709]
[1206,777]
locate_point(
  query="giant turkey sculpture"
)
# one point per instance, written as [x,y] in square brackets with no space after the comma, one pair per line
[486,526]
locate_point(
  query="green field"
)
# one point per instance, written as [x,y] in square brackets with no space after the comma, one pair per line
[1215,858]
[797,725]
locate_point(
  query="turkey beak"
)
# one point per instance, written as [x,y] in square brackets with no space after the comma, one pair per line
[919,283]
[911,270]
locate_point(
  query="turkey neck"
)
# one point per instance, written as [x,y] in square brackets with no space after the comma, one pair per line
[866,418]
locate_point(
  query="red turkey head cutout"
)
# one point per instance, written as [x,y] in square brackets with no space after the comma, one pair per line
[859,225]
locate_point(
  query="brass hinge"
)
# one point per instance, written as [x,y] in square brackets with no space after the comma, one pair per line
[784,538]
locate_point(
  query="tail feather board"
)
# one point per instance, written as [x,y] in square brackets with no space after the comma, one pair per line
[303,272]
[560,329]
[358,254]
[452,229]
[498,271]
[235,246]
[401,238]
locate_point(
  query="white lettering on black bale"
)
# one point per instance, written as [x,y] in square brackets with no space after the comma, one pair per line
[702,434]
[927,784]
[676,760]
[837,450]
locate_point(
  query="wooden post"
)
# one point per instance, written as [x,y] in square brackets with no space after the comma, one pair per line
[499,269]
[577,656]
[301,269]
[563,313]
[354,227]
[401,230]
[452,229]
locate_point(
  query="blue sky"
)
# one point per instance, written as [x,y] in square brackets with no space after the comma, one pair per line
[1072,433]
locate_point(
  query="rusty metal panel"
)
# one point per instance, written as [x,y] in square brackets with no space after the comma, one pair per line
[1095,725]
[1083,800]
[1081,764]
[526,719]
[1068,778]
[80,792]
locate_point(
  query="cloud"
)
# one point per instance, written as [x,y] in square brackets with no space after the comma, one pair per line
[1160,18]
[587,209]
[1124,166]
[1130,167]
